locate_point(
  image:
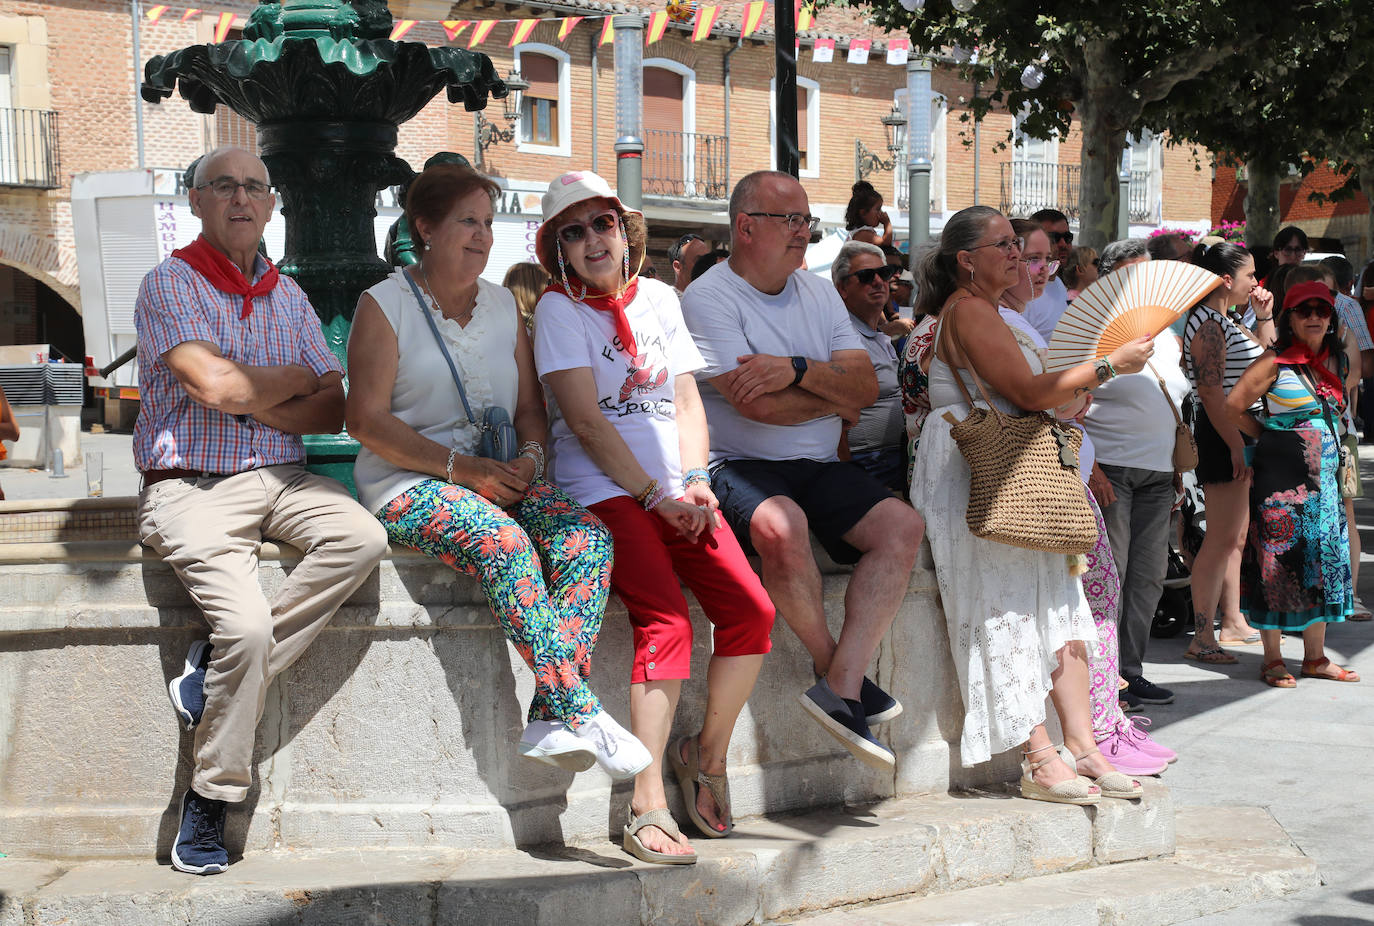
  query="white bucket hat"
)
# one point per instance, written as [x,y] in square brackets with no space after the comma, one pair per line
[568,190]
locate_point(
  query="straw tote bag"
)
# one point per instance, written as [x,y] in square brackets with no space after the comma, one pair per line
[1024,486]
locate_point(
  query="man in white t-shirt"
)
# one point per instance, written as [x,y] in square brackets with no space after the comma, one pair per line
[783,368]
[1043,312]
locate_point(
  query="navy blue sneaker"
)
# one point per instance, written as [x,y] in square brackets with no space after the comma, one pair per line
[188,688]
[1147,691]
[879,706]
[1129,703]
[199,847]
[844,719]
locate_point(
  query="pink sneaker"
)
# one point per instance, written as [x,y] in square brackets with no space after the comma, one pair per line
[1125,756]
[1133,727]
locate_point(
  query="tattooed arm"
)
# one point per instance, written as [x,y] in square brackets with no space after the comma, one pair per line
[1209,368]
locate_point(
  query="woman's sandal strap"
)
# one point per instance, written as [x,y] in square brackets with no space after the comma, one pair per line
[659,817]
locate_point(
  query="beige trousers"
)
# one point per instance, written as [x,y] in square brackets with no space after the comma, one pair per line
[209,531]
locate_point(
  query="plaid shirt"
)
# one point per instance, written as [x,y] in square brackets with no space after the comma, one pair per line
[176,304]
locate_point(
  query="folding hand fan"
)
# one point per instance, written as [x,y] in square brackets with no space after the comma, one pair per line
[1135,301]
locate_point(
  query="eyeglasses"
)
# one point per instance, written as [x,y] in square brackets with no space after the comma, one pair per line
[226,187]
[1295,249]
[1308,309]
[1066,237]
[865,276]
[1036,264]
[1006,245]
[795,220]
[602,224]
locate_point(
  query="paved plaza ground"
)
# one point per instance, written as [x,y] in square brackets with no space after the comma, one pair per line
[1306,755]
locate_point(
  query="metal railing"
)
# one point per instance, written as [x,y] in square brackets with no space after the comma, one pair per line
[690,165]
[1028,186]
[28,149]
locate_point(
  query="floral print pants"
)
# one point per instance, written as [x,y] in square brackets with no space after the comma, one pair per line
[545,566]
[1102,587]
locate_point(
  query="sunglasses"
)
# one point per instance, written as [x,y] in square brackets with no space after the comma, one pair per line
[865,276]
[602,224]
[1066,237]
[1308,309]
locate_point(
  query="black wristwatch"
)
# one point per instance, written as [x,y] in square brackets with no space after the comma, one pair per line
[799,365]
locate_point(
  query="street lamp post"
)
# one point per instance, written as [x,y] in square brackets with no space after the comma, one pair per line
[629,102]
[918,155]
[1123,203]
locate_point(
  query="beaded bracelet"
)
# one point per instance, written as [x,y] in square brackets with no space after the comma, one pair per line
[652,502]
[448,467]
[533,450]
[646,492]
[696,475]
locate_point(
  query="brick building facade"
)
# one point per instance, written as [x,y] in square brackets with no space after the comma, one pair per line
[75,58]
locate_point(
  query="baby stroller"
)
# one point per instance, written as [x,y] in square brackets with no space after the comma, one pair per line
[1174,614]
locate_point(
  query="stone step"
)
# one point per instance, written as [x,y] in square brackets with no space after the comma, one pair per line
[770,869]
[1225,859]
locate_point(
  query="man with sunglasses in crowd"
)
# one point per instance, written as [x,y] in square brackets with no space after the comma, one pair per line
[877,441]
[233,368]
[1043,313]
[684,254]
[784,370]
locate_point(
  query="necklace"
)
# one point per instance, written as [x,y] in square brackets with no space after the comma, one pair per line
[461,318]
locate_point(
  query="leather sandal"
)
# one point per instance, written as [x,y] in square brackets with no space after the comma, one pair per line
[1310,667]
[1078,790]
[689,776]
[662,819]
[1113,783]
[1276,675]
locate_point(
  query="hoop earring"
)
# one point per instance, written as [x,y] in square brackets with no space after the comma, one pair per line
[563,272]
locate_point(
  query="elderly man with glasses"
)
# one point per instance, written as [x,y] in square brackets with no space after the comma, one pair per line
[784,370]
[233,368]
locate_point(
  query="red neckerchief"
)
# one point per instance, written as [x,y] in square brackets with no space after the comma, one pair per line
[615,304]
[224,275]
[1327,382]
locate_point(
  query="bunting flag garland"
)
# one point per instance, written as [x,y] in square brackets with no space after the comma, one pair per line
[567,27]
[480,31]
[678,11]
[226,22]
[522,32]
[657,23]
[753,15]
[706,18]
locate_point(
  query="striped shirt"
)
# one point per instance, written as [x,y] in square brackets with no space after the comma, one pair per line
[176,304]
[1352,316]
[1241,349]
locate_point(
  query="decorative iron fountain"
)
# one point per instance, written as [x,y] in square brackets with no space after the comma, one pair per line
[327,90]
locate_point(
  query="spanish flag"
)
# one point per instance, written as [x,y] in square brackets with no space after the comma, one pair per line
[155,12]
[191,13]
[753,15]
[567,26]
[522,32]
[454,28]
[399,30]
[657,23]
[607,31]
[480,32]
[226,22]
[804,13]
[706,18]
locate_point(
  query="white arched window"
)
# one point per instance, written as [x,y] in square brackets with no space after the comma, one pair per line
[808,125]
[545,125]
[670,89]
[939,112]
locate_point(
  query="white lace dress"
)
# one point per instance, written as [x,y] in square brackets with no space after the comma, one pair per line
[1008,610]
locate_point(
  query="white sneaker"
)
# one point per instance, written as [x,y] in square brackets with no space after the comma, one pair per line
[551,742]
[618,752]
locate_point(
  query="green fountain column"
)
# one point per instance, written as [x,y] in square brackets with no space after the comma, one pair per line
[327,89]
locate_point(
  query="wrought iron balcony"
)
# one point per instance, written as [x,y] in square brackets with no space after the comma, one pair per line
[688,165]
[28,149]
[1029,186]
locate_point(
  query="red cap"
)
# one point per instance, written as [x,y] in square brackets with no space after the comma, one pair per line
[1314,289]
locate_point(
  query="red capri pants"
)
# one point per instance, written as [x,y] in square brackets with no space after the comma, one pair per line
[650,556]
